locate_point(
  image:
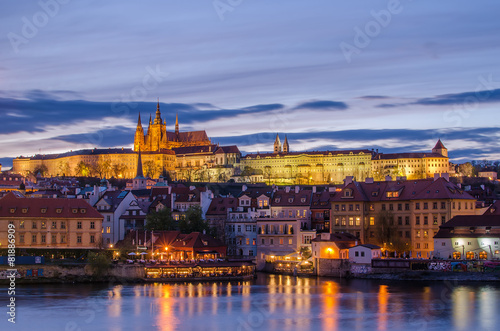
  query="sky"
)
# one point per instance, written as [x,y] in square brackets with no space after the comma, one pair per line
[331,75]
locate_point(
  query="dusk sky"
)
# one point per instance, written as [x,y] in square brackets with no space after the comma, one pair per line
[389,75]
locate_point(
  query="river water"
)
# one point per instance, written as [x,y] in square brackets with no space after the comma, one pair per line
[270,302]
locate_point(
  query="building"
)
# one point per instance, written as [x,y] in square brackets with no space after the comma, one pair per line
[157,138]
[491,174]
[364,254]
[321,206]
[411,165]
[333,245]
[112,205]
[411,209]
[50,223]
[293,204]
[469,237]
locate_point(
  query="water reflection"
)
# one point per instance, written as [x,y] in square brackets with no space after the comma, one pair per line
[271,302]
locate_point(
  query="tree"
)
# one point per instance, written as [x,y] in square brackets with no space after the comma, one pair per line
[151,169]
[99,263]
[193,221]
[82,169]
[386,232]
[42,169]
[160,220]
[466,169]
[118,169]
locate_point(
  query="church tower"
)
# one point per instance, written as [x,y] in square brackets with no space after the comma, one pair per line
[139,135]
[440,149]
[139,182]
[177,125]
[286,147]
[277,144]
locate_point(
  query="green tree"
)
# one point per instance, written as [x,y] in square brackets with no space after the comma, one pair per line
[82,169]
[99,263]
[161,220]
[466,169]
[193,221]
[42,169]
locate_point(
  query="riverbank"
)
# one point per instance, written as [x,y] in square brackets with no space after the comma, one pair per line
[433,276]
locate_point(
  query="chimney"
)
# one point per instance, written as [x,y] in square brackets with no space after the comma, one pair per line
[244,188]
[348,180]
[192,188]
[369,180]
[446,176]
[314,189]
[287,189]
[388,178]
[436,176]
[169,189]
[297,189]
[332,189]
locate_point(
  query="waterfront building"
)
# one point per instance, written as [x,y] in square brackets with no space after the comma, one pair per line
[321,206]
[469,237]
[412,209]
[333,245]
[292,204]
[50,223]
[364,254]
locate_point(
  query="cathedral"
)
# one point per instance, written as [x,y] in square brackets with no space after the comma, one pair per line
[157,137]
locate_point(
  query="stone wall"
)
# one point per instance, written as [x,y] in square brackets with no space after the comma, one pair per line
[332,267]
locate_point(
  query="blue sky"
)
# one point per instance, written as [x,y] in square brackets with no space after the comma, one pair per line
[392,75]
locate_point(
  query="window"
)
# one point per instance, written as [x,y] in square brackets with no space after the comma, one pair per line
[281,241]
[372,220]
[400,206]
[372,207]
[21,225]
[426,220]
[290,241]
[108,229]
[372,234]
[362,254]
[44,225]
[417,220]
[43,210]
[92,239]
[435,220]
[343,221]
[418,234]
[43,238]
[78,225]
[253,241]
[383,206]
[443,205]
[59,210]
[63,225]
[263,241]
[351,221]
[21,238]
[418,245]
[400,220]
[54,225]
[391,206]
[357,208]
[469,243]
[351,207]
[426,205]
[92,225]
[434,205]
[358,221]
[417,205]
[426,246]
[33,239]
[248,241]
[356,253]
[407,206]
[407,220]
[407,234]
[78,239]
[33,225]
[271,241]
[239,228]
[443,219]
[74,210]
[426,234]
[53,239]
[336,208]
[108,218]
[343,207]
[443,244]
[456,243]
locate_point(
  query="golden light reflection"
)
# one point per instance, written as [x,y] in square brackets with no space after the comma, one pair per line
[166,319]
[330,306]
[461,307]
[115,308]
[488,301]
[383,300]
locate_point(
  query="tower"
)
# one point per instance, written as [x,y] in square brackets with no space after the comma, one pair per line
[177,124]
[286,147]
[440,149]
[139,182]
[277,144]
[139,135]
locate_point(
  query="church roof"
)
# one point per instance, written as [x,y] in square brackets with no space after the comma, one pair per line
[439,145]
[189,136]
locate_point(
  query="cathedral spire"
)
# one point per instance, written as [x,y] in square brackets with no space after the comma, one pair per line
[139,124]
[140,173]
[177,123]
[286,147]
[158,114]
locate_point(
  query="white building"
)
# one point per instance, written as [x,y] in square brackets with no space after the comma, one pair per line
[364,254]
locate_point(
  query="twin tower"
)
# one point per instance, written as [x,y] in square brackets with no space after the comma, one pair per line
[278,148]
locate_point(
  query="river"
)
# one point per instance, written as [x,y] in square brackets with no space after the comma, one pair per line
[270,302]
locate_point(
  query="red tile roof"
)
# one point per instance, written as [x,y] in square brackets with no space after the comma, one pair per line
[12,206]
[219,206]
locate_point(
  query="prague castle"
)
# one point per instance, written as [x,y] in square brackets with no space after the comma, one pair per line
[191,156]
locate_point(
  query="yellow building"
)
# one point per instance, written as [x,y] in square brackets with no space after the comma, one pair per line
[285,167]
[411,165]
[50,223]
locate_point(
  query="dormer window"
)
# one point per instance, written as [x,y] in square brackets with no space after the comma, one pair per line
[303,200]
[290,200]
[12,210]
[25,210]
[347,193]
[277,200]
[43,210]
[74,210]
[205,243]
[59,210]
[83,210]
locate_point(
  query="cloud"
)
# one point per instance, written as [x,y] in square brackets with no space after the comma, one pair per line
[374,97]
[322,105]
